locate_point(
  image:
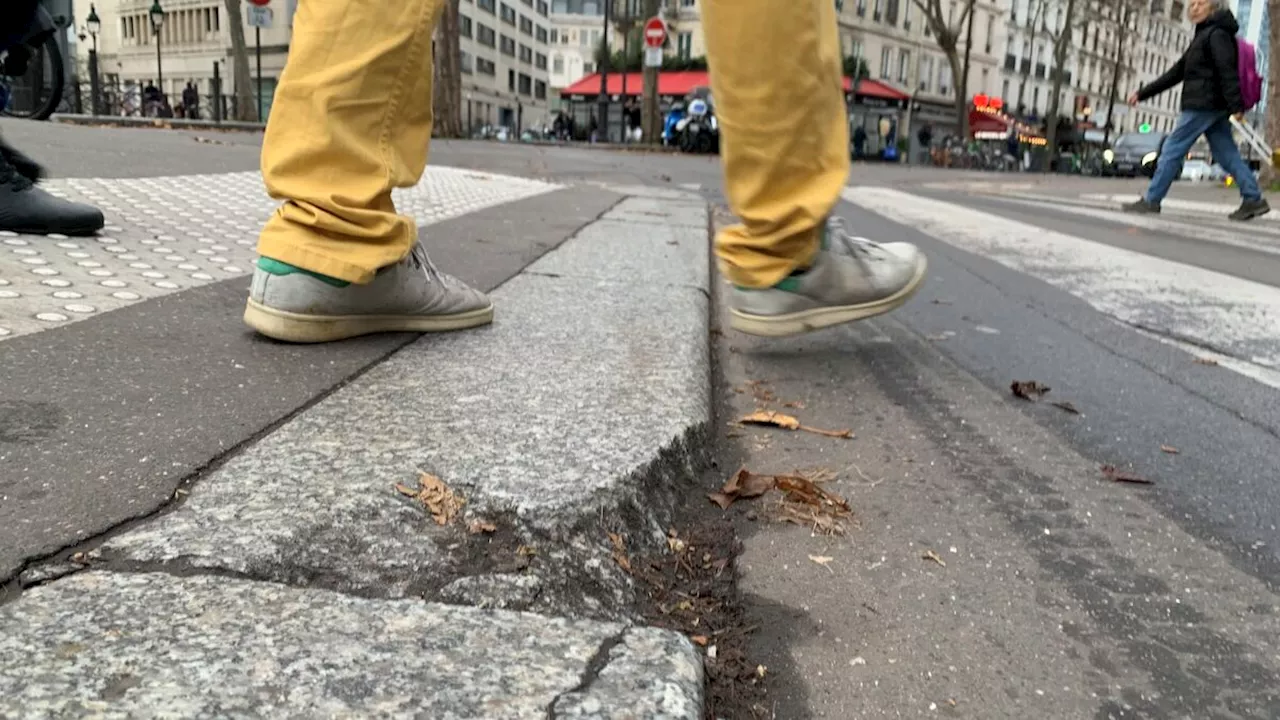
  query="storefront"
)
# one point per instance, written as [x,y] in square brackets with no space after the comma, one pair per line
[581,100]
[876,119]
[988,123]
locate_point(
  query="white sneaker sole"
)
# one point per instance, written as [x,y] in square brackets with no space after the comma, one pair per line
[298,328]
[818,318]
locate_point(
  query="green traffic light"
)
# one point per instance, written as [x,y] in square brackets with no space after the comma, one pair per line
[1144,128]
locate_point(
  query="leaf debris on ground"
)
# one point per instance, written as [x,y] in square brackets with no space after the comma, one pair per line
[803,501]
[931,555]
[743,484]
[477,527]
[1066,407]
[438,498]
[1206,361]
[822,560]
[1169,449]
[1111,472]
[1028,389]
[620,551]
[788,422]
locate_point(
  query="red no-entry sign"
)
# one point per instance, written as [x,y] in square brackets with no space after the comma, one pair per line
[655,33]
[260,3]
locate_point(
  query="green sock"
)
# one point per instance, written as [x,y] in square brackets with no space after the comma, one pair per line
[275,267]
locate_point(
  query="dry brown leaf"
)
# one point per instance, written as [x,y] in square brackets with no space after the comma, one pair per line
[1066,406]
[822,560]
[797,404]
[1169,449]
[797,488]
[931,555]
[439,500]
[1028,389]
[701,640]
[476,527]
[526,551]
[743,484]
[1205,361]
[769,417]
[1111,472]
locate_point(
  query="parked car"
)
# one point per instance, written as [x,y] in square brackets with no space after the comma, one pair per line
[1196,171]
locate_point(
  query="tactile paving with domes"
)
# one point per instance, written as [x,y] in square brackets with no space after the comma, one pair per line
[168,234]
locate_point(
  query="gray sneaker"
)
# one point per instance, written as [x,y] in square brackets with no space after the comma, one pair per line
[288,303]
[852,278]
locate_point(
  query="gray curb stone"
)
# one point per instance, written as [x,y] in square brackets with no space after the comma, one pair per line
[118,645]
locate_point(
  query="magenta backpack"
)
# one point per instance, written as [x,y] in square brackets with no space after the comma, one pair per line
[1250,80]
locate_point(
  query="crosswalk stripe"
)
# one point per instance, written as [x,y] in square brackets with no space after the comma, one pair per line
[1185,206]
[1174,299]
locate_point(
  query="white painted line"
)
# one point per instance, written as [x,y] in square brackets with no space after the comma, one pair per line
[1179,300]
[1189,206]
[1265,239]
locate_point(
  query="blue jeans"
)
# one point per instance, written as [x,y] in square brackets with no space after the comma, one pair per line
[1215,126]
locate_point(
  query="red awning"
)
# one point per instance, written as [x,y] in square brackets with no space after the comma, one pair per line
[677,83]
[875,88]
[683,82]
[980,121]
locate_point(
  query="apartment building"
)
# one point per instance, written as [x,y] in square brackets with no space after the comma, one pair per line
[578,26]
[505,62]
[1157,33]
[895,41]
[193,37]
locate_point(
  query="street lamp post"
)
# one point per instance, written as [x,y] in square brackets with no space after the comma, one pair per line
[93,24]
[157,22]
[603,122]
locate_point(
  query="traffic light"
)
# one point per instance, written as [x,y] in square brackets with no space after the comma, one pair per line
[1144,128]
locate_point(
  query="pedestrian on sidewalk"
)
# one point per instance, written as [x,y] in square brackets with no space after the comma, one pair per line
[1211,94]
[352,119]
[24,206]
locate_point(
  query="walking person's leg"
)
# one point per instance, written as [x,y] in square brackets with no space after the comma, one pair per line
[351,120]
[1223,146]
[24,206]
[776,77]
[1190,126]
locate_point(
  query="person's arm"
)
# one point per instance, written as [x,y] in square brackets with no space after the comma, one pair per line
[1225,55]
[1171,77]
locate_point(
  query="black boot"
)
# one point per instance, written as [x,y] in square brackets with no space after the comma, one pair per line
[1250,209]
[28,210]
[1142,207]
[26,167]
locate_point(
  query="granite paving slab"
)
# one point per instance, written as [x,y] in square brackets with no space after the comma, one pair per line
[122,645]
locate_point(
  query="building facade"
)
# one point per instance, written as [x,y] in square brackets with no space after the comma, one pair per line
[1254,17]
[506,63]
[578,27]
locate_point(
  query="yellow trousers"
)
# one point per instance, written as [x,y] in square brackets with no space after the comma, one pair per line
[352,119]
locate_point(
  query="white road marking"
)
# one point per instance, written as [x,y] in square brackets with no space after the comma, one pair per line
[1203,306]
[1187,207]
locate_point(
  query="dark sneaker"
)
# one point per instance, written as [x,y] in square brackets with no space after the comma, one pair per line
[852,278]
[29,210]
[291,304]
[26,167]
[1250,209]
[1142,207]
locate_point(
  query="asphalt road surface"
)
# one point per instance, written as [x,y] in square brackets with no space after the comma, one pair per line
[1104,599]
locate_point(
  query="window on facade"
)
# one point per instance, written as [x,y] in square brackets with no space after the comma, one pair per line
[944,78]
[540,61]
[465,62]
[511,80]
[906,14]
[925,74]
[485,35]
[541,34]
[684,45]
[1004,91]
[557,64]
[891,12]
[489,6]
[876,13]
[559,6]
[904,65]
[526,54]
[584,39]
[540,90]
[526,25]
[555,36]
[485,67]
[991,31]
[526,84]
[886,63]
[542,8]
[588,67]
[507,46]
[508,14]
[688,3]
[464,26]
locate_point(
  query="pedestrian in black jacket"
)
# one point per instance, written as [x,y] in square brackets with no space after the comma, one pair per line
[1209,73]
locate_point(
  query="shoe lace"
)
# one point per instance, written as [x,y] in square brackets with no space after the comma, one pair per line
[859,248]
[419,259]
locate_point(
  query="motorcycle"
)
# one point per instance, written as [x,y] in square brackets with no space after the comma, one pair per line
[33,71]
[699,131]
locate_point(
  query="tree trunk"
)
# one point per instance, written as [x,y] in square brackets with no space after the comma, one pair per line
[962,88]
[1273,91]
[246,105]
[651,110]
[1031,53]
[447,79]
[1122,36]
[1061,43]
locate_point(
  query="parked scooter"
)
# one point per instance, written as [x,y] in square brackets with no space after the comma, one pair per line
[699,131]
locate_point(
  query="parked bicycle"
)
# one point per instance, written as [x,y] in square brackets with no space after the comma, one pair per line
[33,72]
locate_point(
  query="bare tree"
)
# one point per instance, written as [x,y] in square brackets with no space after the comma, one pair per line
[246,106]
[1037,21]
[447,79]
[1125,22]
[1063,35]
[947,29]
